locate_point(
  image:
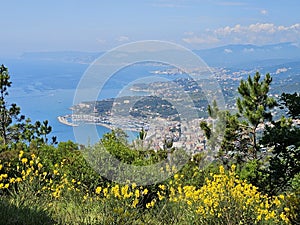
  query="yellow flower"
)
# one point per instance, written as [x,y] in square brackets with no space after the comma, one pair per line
[133,185]
[40,165]
[12,180]
[33,156]
[160,197]
[135,202]
[105,192]
[222,171]
[281,197]
[233,167]
[21,154]
[150,204]
[98,190]
[55,172]
[284,218]
[137,193]
[145,191]
[162,187]
[116,191]
[24,160]
[276,202]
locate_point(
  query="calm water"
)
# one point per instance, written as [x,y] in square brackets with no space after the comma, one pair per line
[45,90]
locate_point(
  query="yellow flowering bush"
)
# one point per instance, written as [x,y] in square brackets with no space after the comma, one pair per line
[226,198]
[222,199]
[128,195]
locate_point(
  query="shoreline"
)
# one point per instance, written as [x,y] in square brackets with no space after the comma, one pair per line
[63,120]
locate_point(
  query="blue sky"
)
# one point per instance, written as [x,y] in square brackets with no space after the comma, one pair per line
[96,25]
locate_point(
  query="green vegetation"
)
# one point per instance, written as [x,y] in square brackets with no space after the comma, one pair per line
[255,178]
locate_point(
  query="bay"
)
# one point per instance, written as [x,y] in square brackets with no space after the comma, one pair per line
[45,89]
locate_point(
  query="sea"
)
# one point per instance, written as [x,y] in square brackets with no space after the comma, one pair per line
[44,90]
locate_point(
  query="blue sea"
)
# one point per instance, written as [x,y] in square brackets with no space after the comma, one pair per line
[45,89]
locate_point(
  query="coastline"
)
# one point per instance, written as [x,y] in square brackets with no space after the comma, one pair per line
[63,120]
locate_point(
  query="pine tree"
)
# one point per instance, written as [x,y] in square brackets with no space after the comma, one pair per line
[255,106]
[14,128]
[10,117]
[292,103]
[235,135]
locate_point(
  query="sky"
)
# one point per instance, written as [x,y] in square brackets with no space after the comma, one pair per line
[100,25]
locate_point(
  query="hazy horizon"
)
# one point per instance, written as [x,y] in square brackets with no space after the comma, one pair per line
[97,26]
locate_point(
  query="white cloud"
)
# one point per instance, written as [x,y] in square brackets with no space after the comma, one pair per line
[264,12]
[227,51]
[258,33]
[262,27]
[123,38]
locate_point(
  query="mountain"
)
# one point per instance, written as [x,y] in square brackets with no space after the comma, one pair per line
[226,56]
[63,56]
[234,55]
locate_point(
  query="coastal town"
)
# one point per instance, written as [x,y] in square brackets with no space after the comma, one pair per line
[157,111]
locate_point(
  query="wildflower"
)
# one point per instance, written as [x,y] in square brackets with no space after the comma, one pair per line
[98,190]
[133,185]
[24,160]
[116,191]
[145,191]
[276,201]
[222,171]
[162,187]
[12,180]
[160,197]
[281,197]
[40,165]
[135,202]
[284,218]
[21,154]
[150,204]
[33,156]
[55,172]
[105,192]
[137,193]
